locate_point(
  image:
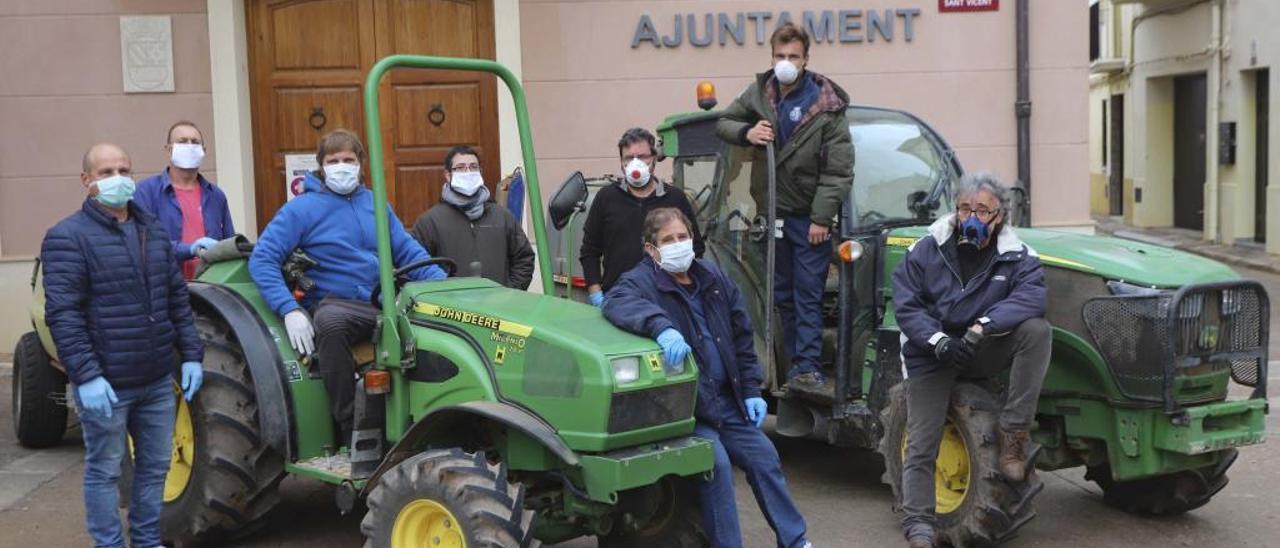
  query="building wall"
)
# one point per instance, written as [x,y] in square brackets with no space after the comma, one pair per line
[587,84]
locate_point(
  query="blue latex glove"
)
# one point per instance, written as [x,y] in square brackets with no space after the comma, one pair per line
[97,396]
[757,410]
[597,299]
[202,244]
[192,378]
[674,349]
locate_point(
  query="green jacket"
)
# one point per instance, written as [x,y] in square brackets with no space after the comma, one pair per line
[815,168]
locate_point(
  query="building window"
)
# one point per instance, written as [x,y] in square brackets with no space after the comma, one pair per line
[1095,37]
[1104,132]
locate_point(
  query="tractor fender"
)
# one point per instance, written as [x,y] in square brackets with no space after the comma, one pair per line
[448,418]
[270,388]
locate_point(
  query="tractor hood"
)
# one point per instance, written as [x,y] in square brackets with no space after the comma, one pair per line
[1108,257]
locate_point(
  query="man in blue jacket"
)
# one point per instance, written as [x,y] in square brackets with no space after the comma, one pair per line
[671,297]
[970,301]
[117,308]
[192,209]
[332,222]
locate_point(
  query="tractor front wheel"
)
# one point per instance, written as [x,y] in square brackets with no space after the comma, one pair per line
[1167,495]
[447,498]
[975,504]
[39,395]
[663,514]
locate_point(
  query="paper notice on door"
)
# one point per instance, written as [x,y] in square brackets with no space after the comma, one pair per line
[296,167]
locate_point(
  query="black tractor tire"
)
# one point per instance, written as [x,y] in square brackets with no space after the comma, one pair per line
[993,507]
[487,509]
[39,395]
[670,514]
[1167,495]
[234,473]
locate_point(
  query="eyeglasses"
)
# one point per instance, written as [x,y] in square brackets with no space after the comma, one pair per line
[465,168]
[641,157]
[982,211]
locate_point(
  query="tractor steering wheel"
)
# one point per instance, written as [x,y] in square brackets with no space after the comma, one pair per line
[401,275]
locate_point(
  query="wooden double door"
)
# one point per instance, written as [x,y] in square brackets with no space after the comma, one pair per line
[308,60]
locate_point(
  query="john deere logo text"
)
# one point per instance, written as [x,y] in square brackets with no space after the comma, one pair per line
[453,314]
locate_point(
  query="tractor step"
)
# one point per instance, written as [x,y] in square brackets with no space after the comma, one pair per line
[334,469]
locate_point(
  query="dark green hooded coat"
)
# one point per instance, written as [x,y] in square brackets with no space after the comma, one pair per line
[815,167]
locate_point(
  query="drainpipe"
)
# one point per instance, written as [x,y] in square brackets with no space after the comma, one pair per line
[1022,108]
[1211,216]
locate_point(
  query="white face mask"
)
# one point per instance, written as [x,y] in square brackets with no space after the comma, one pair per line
[342,178]
[187,155]
[786,71]
[636,173]
[466,183]
[677,256]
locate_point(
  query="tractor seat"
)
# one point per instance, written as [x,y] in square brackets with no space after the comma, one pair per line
[364,353]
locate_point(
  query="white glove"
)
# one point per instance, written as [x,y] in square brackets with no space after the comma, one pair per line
[301,335]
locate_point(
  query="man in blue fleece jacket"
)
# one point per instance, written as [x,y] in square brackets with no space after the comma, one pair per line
[332,222]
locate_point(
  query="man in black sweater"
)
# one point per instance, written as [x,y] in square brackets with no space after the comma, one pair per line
[612,236]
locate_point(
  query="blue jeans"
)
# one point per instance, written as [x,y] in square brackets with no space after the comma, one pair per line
[739,443]
[146,413]
[799,277]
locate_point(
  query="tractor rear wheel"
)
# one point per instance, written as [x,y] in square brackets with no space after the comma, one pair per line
[663,514]
[1166,495]
[975,504]
[39,395]
[223,477]
[447,497]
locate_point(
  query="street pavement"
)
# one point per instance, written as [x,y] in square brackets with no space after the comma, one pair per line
[838,490]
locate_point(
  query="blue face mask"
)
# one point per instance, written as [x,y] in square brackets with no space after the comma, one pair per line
[115,191]
[974,232]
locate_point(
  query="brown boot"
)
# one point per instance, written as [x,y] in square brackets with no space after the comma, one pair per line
[920,542]
[1013,454]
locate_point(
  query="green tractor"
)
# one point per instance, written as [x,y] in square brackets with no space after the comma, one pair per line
[1159,362]
[484,417]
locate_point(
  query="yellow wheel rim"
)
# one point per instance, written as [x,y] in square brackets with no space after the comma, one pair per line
[426,523]
[184,452]
[951,469]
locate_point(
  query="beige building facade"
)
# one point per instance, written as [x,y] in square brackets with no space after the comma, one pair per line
[254,73]
[1179,117]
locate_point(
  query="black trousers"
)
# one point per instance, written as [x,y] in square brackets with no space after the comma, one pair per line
[341,324]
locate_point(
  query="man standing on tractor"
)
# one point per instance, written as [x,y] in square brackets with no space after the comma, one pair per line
[802,113]
[468,228]
[670,295]
[332,222]
[193,210]
[118,311]
[611,236]
[970,301]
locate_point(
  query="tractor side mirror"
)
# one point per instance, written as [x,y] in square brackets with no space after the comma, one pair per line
[569,198]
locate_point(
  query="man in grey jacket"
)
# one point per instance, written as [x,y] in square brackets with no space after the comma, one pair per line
[482,237]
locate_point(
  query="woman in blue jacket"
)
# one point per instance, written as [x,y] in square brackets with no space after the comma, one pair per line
[332,222]
[673,298]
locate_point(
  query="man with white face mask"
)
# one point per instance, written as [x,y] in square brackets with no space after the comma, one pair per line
[611,236]
[333,223]
[692,308]
[466,227]
[191,208]
[803,114]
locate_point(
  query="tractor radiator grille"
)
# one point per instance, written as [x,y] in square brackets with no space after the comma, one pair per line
[651,407]
[1196,330]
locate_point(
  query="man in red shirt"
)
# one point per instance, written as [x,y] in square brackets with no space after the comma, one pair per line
[192,209]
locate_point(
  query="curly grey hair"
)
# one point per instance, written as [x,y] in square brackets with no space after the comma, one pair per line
[979,181]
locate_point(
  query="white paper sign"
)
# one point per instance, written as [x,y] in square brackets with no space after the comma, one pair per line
[296,167]
[146,53]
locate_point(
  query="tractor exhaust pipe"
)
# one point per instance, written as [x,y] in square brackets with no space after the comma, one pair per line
[797,420]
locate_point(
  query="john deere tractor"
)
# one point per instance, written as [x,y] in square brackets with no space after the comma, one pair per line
[1148,343]
[485,416]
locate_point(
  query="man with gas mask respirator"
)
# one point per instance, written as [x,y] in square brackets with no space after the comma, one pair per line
[473,231]
[803,114]
[970,301]
[611,242]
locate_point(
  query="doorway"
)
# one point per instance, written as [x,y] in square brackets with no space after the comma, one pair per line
[1115,183]
[307,64]
[1189,102]
[1262,125]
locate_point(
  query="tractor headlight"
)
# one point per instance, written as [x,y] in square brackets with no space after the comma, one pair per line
[625,370]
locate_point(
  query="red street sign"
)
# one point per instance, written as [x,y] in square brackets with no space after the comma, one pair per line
[945,6]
